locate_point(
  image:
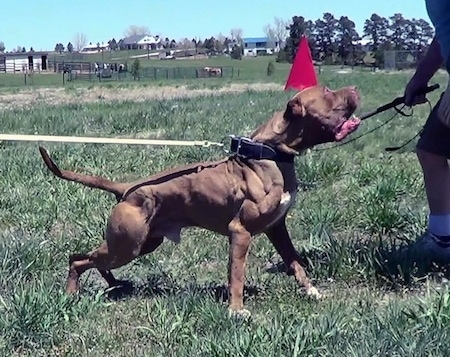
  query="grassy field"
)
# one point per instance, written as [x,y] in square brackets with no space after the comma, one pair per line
[245,70]
[248,69]
[359,206]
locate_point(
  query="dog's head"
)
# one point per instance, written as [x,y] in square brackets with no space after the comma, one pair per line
[317,115]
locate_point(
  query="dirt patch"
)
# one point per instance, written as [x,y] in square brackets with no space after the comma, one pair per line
[58,96]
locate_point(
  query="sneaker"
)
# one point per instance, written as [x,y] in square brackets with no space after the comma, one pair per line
[429,248]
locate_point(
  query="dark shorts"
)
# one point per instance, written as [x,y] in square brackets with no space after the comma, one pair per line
[435,137]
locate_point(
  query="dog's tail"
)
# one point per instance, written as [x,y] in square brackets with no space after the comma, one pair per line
[117,188]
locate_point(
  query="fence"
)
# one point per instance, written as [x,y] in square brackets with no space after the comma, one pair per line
[398,60]
[61,67]
[85,71]
[156,73]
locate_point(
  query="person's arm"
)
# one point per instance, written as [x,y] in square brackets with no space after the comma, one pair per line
[425,71]
[431,62]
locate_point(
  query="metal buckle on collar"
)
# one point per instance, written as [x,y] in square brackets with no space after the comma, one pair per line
[246,148]
[236,144]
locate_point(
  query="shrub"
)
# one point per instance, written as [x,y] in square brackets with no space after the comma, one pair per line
[282,56]
[236,53]
[270,68]
[135,69]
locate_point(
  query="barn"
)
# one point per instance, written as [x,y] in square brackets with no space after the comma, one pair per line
[21,61]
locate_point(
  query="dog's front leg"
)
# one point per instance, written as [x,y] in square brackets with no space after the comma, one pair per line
[239,246]
[279,237]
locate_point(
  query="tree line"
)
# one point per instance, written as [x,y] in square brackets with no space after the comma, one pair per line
[335,40]
[332,40]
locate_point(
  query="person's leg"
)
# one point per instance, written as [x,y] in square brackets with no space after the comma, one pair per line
[433,151]
[436,175]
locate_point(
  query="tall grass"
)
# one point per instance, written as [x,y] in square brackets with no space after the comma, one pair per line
[359,206]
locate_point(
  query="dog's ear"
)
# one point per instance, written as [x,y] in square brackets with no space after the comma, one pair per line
[280,124]
[296,107]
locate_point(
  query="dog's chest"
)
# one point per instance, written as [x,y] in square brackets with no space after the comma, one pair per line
[286,201]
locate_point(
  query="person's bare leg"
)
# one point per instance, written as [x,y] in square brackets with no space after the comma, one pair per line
[436,174]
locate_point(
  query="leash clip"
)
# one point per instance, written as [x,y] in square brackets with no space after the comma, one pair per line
[226,151]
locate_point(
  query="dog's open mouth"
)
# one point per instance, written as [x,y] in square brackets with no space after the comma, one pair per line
[346,127]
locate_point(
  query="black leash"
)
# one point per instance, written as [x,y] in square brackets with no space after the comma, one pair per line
[396,148]
[397,101]
[391,105]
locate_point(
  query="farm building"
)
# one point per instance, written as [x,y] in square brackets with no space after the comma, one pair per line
[21,61]
[254,46]
[140,42]
[94,48]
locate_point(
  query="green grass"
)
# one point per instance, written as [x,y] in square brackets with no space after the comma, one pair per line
[249,69]
[245,70]
[9,81]
[360,205]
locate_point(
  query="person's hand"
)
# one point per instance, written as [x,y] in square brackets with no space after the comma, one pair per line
[414,85]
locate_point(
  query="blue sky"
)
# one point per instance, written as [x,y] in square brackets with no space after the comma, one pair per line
[42,24]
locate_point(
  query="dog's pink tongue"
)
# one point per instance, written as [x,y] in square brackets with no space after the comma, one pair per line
[347,128]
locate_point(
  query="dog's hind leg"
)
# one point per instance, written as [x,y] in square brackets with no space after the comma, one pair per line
[279,237]
[79,263]
[150,245]
[126,235]
[109,277]
[239,246]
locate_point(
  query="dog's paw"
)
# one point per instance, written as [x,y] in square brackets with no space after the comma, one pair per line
[312,292]
[242,314]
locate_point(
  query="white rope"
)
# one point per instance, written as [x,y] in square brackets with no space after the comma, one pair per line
[96,140]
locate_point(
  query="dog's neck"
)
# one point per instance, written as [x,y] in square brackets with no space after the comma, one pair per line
[281,134]
[249,149]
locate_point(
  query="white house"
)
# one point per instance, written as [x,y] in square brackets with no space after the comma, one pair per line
[22,61]
[140,42]
[149,41]
[94,48]
[254,46]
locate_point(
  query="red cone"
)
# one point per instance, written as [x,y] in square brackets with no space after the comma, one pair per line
[302,74]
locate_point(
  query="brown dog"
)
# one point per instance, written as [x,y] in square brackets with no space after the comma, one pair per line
[238,197]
